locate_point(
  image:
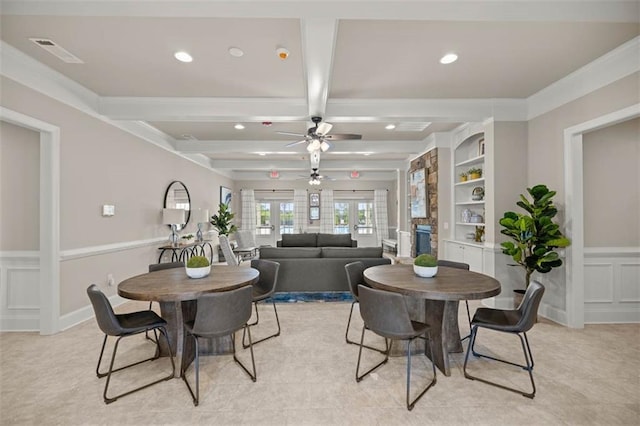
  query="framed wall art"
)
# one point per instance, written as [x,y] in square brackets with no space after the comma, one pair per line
[418,194]
[225,195]
[314,213]
[314,199]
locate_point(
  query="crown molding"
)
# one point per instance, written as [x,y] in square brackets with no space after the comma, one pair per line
[436,10]
[610,67]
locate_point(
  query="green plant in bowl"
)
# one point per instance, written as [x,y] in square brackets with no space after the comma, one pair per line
[425,265]
[197,262]
[425,260]
[198,267]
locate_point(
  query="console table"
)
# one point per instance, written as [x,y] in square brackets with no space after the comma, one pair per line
[182,252]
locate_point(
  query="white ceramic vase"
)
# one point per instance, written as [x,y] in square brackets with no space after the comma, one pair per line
[198,272]
[425,271]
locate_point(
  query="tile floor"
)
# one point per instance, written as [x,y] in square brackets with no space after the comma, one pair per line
[306,376]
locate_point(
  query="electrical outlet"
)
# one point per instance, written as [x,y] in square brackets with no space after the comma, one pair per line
[110,281]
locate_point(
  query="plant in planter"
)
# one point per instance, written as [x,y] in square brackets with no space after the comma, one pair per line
[475,173]
[535,236]
[222,220]
[425,265]
[198,267]
[463,176]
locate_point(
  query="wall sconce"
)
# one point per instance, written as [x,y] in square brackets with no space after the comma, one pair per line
[173,217]
[202,216]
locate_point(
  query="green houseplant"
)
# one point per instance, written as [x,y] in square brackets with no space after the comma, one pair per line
[535,236]
[198,267]
[222,220]
[425,265]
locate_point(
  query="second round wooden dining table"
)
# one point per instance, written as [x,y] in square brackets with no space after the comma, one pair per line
[442,295]
[172,287]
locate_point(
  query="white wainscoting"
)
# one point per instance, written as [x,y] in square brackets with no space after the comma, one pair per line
[612,285]
[19,291]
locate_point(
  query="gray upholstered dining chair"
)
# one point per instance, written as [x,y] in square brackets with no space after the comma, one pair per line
[220,314]
[387,315]
[263,290]
[518,322]
[465,266]
[121,326]
[227,251]
[355,277]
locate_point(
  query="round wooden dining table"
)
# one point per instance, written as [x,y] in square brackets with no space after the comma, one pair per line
[442,295]
[172,287]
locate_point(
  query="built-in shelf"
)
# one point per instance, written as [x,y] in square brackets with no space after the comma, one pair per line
[470,182]
[467,203]
[469,224]
[471,161]
[467,243]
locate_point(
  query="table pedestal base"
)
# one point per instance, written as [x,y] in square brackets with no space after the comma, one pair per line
[442,316]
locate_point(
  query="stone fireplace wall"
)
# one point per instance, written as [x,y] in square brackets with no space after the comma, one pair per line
[428,161]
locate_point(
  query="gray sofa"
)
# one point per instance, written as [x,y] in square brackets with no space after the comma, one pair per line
[317,269]
[316,239]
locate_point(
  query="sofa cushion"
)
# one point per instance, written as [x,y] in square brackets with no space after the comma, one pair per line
[299,240]
[289,252]
[334,240]
[352,252]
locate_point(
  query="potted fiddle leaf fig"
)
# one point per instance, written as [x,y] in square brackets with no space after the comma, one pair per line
[222,220]
[535,236]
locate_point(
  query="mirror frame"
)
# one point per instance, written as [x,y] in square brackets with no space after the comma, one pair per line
[188,214]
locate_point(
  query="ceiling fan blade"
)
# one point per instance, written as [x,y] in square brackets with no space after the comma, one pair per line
[291,134]
[323,129]
[295,143]
[342,136]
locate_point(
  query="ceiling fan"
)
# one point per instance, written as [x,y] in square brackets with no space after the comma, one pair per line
[315,178]
[318,138]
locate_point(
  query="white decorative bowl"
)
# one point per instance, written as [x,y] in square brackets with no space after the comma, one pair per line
[198,272]
[425,271]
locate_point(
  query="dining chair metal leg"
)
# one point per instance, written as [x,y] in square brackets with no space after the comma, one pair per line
[411,404]
[346,335]
[277,333]
[195,396]
[466,302]
[255,304]
[109,400]
[253,375]
[384,361]
[526,349]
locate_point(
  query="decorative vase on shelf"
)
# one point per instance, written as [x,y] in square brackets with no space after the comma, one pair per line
[466,215]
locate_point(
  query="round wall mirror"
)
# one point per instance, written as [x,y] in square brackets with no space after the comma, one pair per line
[177,197]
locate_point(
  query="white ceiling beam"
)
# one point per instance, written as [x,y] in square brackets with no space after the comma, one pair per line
[227,146]
[266,164]
[454,10]
[203,109]
[318,41]
[337,110]
[434,110]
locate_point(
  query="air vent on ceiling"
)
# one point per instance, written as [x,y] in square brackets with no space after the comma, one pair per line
[414,126]
[56,50]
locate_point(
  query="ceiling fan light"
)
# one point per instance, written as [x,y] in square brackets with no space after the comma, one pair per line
[324,146]
[314,145]
[449,58]
[183,56]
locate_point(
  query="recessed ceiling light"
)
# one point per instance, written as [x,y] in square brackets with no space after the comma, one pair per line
[239,126]
[449,58]
[235,52]
[390,126]
[183,56]
[282,53]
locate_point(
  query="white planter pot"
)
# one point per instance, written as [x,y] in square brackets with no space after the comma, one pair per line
[425,271]
[198,272]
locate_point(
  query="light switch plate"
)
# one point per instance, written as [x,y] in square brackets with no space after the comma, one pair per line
[108,210]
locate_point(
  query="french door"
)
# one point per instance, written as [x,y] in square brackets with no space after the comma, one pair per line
[274,218]
[355,217]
